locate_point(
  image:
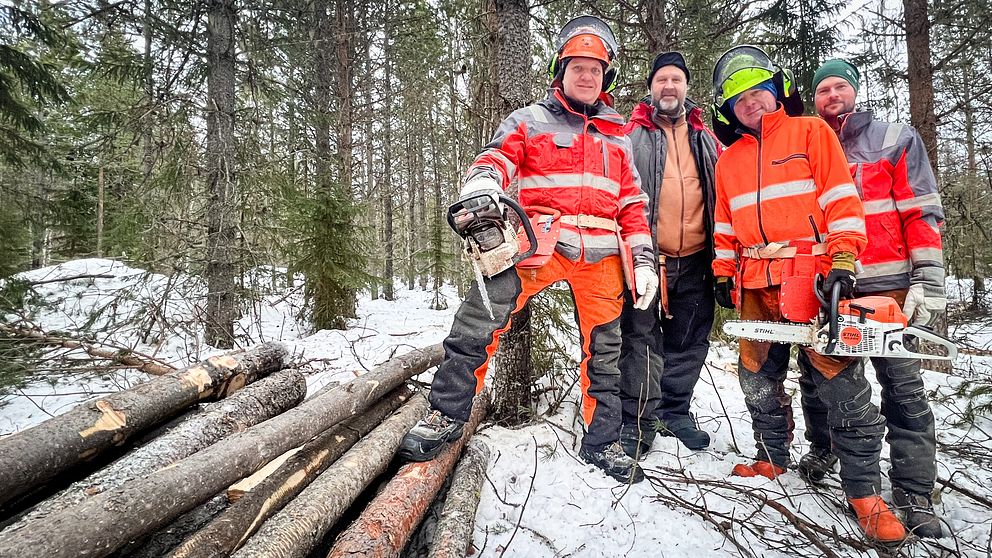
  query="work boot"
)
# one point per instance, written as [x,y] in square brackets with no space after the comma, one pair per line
[684,428]
[876,520]
[426,439]
[816,464]
[614,462]
[758,468]
[918,512]
[636,441]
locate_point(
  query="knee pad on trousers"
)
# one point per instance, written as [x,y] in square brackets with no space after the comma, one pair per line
[848,398]
[761,392]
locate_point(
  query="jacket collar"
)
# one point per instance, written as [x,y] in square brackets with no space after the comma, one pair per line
[607,120]
[853,123]
[642,116]
[769,122]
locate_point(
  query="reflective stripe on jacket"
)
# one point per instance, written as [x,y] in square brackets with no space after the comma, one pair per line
[574,163]
[902,207]
[777,188]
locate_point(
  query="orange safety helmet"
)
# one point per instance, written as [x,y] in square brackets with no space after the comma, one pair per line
[586,45]
[589,37]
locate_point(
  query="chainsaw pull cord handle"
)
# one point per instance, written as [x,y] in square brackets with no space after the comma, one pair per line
[528,229]
[831,309]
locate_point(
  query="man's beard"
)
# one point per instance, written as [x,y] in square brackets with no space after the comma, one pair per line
[668,106]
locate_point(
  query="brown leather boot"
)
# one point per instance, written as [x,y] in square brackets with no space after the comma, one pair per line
[762,468]
[876,520]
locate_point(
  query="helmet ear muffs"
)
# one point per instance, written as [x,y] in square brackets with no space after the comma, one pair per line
[553,68]
[610,79]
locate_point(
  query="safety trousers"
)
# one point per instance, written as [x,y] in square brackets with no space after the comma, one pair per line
[909,419]
[854,423]
[597,291]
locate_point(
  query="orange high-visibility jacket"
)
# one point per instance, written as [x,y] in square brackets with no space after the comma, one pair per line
[777,188]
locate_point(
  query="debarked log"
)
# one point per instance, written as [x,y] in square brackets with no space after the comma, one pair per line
[385,526]
[453,534]
[105,522]
[255,403]
[229,530]
[299,527]
[36,455]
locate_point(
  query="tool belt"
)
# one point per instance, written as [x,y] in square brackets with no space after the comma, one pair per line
[778,250]
[589,222]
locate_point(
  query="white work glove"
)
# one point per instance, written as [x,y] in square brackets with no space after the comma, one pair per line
[482,184]
[922,309]
[646,283]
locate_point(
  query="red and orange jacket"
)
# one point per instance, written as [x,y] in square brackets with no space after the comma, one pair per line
[903,213]
[777,188]
[578,164]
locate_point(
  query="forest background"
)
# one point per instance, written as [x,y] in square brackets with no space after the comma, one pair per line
[324,139]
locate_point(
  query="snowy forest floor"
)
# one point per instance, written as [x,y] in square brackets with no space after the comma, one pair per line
[539,498]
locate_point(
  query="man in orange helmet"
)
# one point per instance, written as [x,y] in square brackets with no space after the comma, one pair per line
[567,153]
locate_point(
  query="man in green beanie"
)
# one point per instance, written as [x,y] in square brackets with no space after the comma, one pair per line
[903,260]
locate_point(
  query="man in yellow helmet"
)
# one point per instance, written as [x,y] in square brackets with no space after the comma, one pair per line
[783,190]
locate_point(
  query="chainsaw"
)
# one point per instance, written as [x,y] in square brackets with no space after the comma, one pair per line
[490,239]
[869,326]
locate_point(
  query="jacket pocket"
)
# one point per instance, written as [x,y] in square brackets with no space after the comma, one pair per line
[793,157]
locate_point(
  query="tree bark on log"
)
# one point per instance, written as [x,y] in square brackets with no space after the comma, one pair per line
[453,535]
[388,521]
[38,454]
[258,402]
[228,531]
[104,523]
[164,540]
[299,527]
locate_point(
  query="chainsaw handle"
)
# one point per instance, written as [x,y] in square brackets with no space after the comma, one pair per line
[924,334]
[831,308]
[528,229]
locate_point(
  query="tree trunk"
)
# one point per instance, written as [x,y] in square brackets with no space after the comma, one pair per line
[921,105]
[222,211]
[162,541]
[243,518]
[148,118]
[453,534]
[260,401]
[514,398]
[388,521]
[386,184]
[296,530]
[38,454]
[104,523]
[99,213]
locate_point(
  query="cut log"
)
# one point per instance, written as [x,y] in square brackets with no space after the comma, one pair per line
[35,455]
[299,527]
[258,402]
[162,541]
[240,521]
[453,534]
[388,521]
[244,486]
[103,523]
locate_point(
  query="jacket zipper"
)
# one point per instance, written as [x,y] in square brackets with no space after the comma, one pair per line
[757,194]
[678,169]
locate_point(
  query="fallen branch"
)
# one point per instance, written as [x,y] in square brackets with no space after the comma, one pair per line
[453,536]
[104,523]
[38,454]
[120,355]
[390,518]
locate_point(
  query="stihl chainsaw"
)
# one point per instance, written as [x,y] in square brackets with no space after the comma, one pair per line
[870,326]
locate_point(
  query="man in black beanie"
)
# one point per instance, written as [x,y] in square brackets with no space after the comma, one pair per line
[665,346]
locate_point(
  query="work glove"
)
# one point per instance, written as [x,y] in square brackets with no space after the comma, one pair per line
[646,284]
[842,271]
[482,184]
[722,289]
[923,310]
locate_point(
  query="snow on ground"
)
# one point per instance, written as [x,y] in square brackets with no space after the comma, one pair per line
[540,499]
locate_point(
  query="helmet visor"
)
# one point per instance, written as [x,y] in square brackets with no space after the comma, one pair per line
[588,25]
[740,69]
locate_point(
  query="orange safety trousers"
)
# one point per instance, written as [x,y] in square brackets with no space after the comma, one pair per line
[597,289]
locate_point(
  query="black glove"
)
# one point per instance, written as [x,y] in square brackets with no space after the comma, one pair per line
[722,289]
[841,272]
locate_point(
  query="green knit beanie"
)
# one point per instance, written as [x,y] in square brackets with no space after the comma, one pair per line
[838,68]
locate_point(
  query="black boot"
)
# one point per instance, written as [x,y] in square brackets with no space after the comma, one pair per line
[684,428]
[614,462]
[636,441]
[917,509]
[426,439]
[816,464]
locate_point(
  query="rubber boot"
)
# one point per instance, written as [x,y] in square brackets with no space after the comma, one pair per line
[877,520]
[758,468]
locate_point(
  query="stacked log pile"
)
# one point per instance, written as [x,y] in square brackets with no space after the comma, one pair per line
[257,472]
